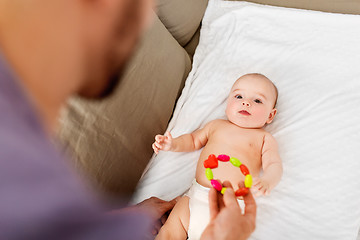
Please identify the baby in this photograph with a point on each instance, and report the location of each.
(250, 106)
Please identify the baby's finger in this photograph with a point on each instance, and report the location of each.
(267, 191)
(256, 182)
(159, 138)
(154, 146)
(256, 193)
(156, 150)
(158, 145)
(262, 191)
(168, 135)
(259, 186)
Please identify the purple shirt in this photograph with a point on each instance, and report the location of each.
(40, 196)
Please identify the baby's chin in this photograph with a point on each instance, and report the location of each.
(244, 124)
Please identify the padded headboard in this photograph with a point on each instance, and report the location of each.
(335, 6)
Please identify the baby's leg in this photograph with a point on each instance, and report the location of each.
(177, 224)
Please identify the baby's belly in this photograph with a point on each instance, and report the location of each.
(225, 170)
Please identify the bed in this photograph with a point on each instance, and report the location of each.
(313, 58)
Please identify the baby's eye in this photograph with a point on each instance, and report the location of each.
(257, 101)
(238, 96)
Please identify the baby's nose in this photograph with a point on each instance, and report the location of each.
(246, 103)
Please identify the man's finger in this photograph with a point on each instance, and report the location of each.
(164, 218)
(227, 184)
(250, 205)
(241, 184)
(213, 203)
(166, 206)
(157, 226)
(221, 204)
(229, 196)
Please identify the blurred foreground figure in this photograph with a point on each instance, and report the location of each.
(50, 50)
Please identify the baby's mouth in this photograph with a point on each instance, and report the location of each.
(244, 112)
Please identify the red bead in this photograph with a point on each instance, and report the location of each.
(244, 169)
(241, 192)
(211, 162)
(223, 158)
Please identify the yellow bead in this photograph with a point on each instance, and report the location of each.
(209, 174)
(223, 190)
(248, 181)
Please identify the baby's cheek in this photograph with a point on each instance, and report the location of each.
(260, 114)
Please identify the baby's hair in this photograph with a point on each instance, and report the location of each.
(262, 75)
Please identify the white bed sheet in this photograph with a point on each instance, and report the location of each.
(314, 59)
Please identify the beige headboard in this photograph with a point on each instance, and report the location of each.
(335, 6)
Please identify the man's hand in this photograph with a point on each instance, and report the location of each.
(162, 142)
(226, 220)
(158, 209)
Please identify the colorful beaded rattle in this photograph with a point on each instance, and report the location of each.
(212, 162)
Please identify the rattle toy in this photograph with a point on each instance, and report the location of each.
(212, 162)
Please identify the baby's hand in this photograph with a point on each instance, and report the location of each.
(162, 142)
(261, 187)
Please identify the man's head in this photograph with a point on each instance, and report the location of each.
(251, 102)
(113, 29)
(59, 48)
(88, 40)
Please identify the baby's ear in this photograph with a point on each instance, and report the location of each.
(271, 115)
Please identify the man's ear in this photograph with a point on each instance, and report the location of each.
(271, 115)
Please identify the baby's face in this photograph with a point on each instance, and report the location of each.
(251, 102)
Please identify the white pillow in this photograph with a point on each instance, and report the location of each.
(314, 60)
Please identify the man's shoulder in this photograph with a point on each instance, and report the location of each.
(24, 146)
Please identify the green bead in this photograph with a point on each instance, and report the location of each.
(209, 174)
(223, 190)
(236, 162)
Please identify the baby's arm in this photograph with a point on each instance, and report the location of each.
(184, 143)
(272, 166)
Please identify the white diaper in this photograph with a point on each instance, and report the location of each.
(199, 209)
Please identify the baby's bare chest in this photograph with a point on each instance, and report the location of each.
(237, 140)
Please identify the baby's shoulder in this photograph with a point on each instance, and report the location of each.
(217, 122)
(269, 138)
(216, 125)
(262, 134)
